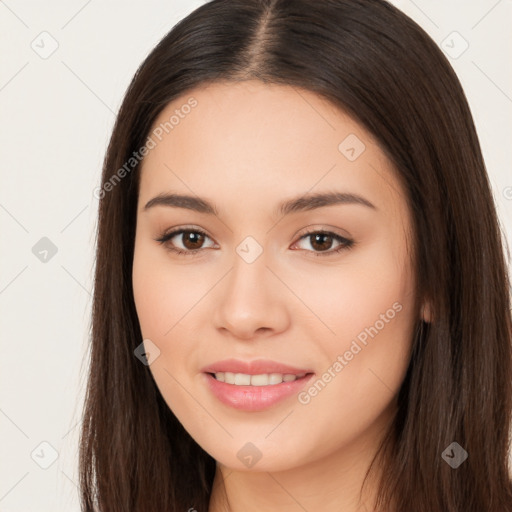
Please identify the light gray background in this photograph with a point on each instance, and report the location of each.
(57, 113)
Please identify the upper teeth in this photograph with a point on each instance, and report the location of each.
(266, 379)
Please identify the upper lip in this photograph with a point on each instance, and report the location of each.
(257, 367)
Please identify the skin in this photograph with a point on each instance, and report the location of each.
(246, 147)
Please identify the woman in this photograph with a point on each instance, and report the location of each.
(301, 298)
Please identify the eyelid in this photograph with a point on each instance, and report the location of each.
(321, 228)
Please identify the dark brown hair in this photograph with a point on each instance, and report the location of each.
(376, 64)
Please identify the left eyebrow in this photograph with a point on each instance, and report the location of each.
(301, 203)
(318, 200)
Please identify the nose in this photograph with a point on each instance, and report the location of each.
(251, 301)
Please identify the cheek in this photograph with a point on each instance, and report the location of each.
(164, 293)
(365, 364)
(350, 296)
(368, 305)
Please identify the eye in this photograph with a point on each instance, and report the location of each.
(188, 241)
(323, 241)
(191, 241)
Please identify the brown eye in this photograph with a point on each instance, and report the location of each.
(321, 241)
(185, 241)
(324, 243)
(192, 239)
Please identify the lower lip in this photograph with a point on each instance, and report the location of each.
(254, 398)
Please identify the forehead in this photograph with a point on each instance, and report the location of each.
(262, 141)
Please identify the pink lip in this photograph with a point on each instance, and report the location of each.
(252, 367)
(253, 398)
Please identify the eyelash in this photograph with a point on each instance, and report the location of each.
(345, 243)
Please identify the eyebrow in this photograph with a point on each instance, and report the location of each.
(297, 204)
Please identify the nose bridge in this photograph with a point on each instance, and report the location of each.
(249, 274)
(247, 301)
(248, 279)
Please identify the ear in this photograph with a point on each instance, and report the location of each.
(426, 312)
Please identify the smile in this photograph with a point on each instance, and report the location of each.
(253, 393)
(264, 379)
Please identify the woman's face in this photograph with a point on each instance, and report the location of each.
(294, 232)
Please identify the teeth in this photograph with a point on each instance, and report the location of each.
(241, 379)
(266, 379)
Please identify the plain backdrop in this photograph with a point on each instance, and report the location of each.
(65, 67)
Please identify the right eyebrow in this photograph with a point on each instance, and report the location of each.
(182, 201)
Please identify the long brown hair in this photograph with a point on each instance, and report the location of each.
(375, 63)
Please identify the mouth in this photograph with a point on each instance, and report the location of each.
(250, 392)
(262, 379)
(254, 385)
(256, 368)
